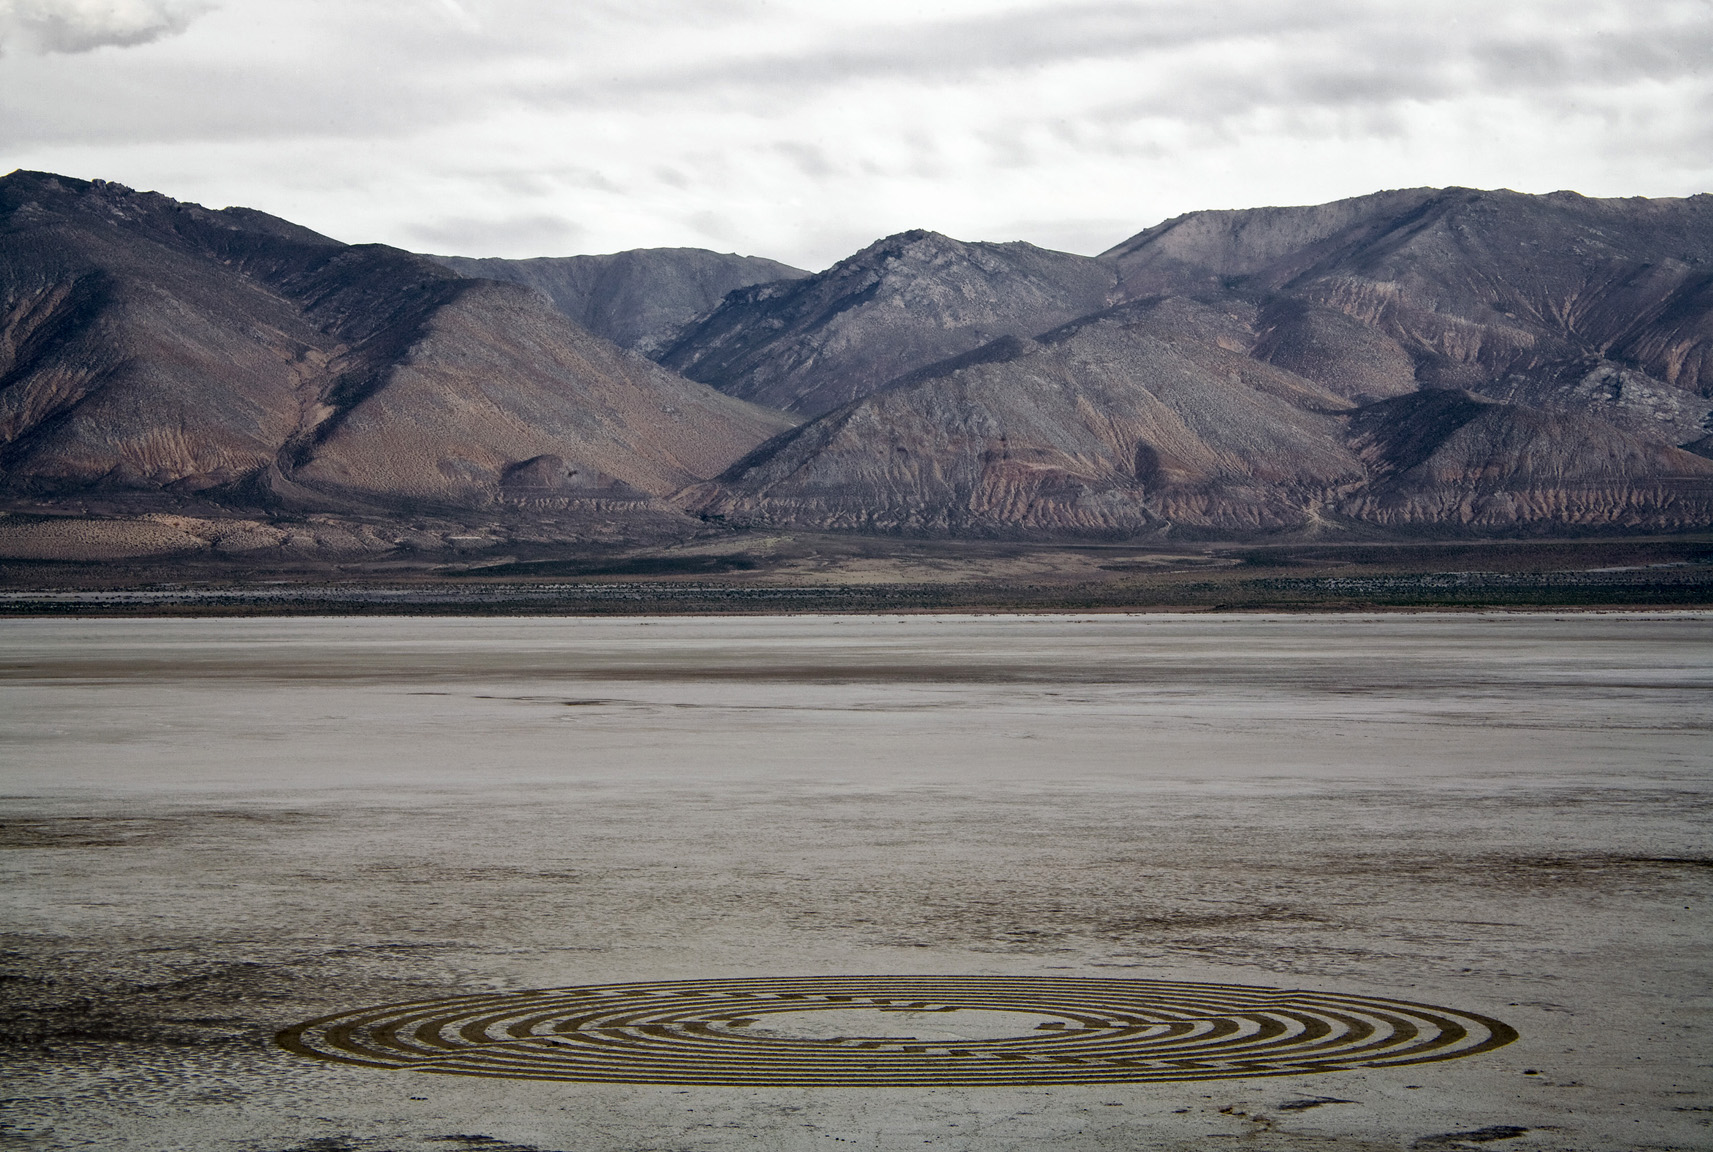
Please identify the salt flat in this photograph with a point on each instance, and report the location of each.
(219, 828)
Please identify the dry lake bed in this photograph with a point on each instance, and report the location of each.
(219, 829)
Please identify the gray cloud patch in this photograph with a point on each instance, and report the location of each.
(950, 50)
(69, 26)
(803, 129)
(1658, 53)
(1223, 60)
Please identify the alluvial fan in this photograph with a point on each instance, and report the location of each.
(897, 1030)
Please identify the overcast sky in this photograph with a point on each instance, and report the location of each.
(803, 129)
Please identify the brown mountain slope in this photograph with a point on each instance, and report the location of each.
(638, 299)
(810, 345)
(493, 382)
(1114, 426)
(148, 345)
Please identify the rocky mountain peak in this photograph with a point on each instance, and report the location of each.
(90, 201)
(905, 301)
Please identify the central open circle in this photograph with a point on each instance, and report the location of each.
(944, 1025)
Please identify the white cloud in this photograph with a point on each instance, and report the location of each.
(801, 129)
(68, 26)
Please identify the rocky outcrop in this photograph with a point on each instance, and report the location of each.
(149, 345)
(639, 299)
(1617, 394)
(1454, 459)
(810, 345)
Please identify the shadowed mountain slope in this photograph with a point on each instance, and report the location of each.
(810, 345)
(638, 299)
(149, 345)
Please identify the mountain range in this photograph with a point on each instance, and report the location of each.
(154, 348)
(1423, 361)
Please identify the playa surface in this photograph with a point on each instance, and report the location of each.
(220, 828)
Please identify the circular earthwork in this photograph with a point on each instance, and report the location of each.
(897, 1031)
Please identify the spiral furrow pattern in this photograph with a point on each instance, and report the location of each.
(897, 1030)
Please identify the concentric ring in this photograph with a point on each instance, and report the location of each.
(897, 1031)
